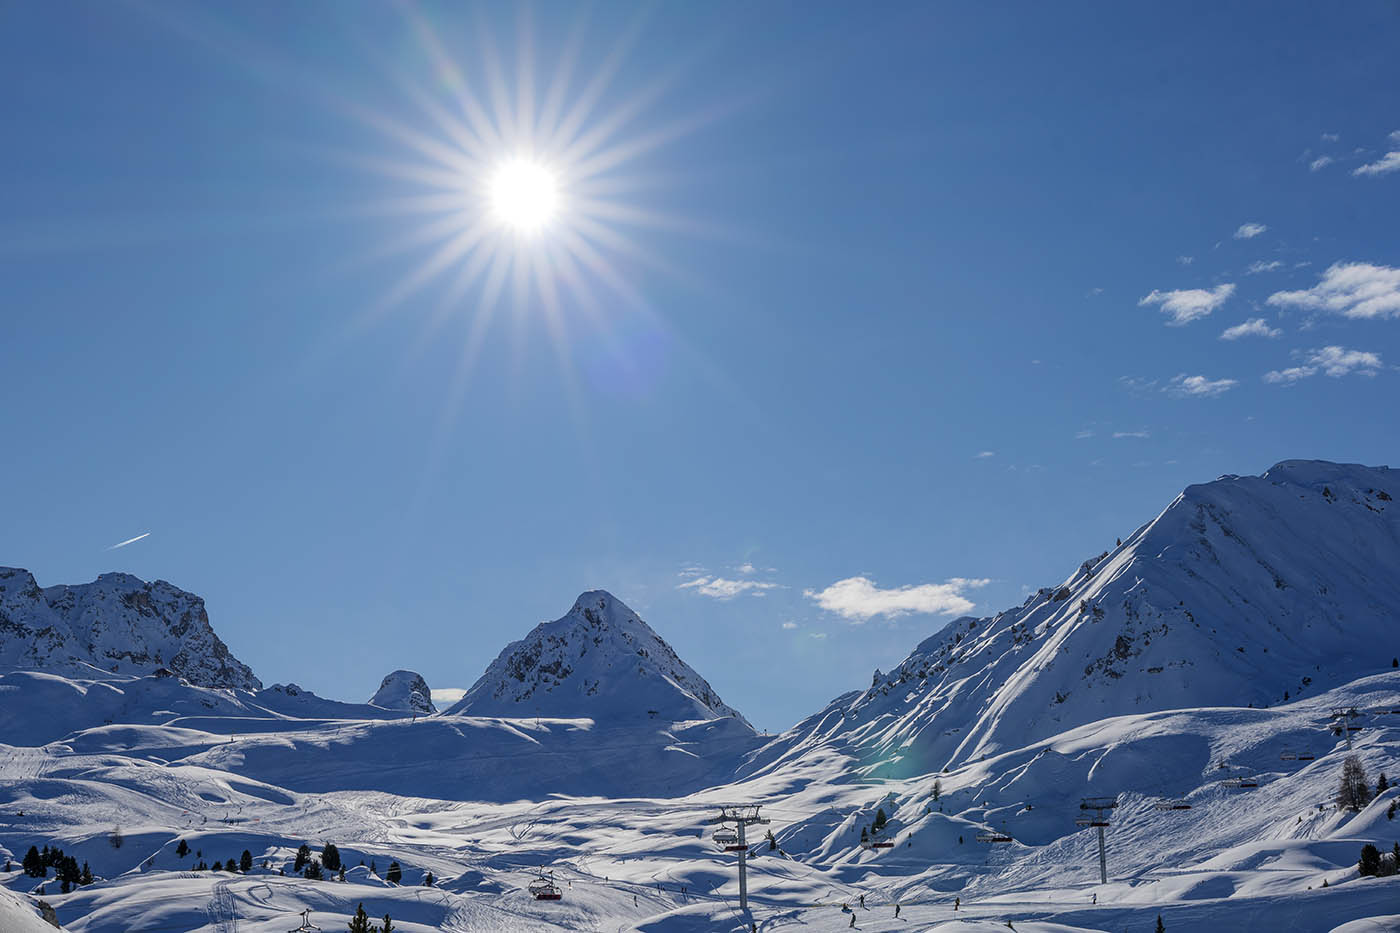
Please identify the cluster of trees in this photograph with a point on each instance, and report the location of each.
(360, 923)
(1374, 864)
(36, 864)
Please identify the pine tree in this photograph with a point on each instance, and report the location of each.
(63, 886)
(395, 874)
(373, 868)
(937, 789)
(1369, 865)
(303, 856)
(341, 876)
(428, 880)
(116, 839)
(880, 819)
(183, 849)
(1353, 792)
(34, 864)
(388, 926)
(86, 877)
(245, 862)
(1161, 927)
(313, 871)
(1382, 785)
(330, 857)
(360, 922)
(864, 835)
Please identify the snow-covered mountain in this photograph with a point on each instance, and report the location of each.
(404, 690)
(1243, 591)
(599, 660)
(117, 624)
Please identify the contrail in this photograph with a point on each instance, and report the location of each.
(129, 541)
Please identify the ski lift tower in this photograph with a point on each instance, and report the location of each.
(1101, 809)
(306, 925)
(742, 815)
(1343, 721)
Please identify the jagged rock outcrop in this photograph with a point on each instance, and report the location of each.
(118, 624)
(404, 690)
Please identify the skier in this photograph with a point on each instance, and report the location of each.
(1096, 898)
(862, 900)
(896, 911)
(852, 924)
(957, 902)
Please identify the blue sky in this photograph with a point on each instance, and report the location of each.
(853, 322)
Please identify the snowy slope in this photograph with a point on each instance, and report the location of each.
(601, 661)
(1243, 590)
(404, 690)
(19, 915)
(117, 624)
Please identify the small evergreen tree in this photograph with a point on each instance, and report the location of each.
(360, 922)
(864, 835)
(395, 874)
(245, 862)
(1370, 862)
(313, 871)
(880, 820)
(388, 926)
(1161, 927)
(183, 849)
(1382, 785)
(428, 880)
(303, 856)
(34, 863)
(937, 789)
(63, 886)
(1353, 793)
(86, 878)
(116, 839)
(330, 857)
(373, 868)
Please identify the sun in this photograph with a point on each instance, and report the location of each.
(524, 195)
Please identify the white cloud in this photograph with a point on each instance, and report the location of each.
(1330, 137)
(859, 599)
(446, 696)
(1320, 163)
(1351, 289)
(1084, 435)
(1186, 260)
(1184, 386)
(1185, 305)
(1136, 434)
(720, 588)
(1390, 162)
(1250, 230)
(1096, 291)
(1254, 327)
(984, 454)
(1334, 361)
(745, 568)
(789, 625)
(1260, 265)
(819, 636)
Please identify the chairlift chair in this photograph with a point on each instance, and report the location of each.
(544, 889)
(1169, 805)
(994, 837)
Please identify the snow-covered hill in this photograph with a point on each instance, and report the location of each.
(600, 661)
(117, 624)
(1244, 591)
(404, 690)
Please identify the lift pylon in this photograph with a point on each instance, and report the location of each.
(1096, 812)
(742, 815)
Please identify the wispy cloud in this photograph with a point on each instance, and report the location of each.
(984, 454)
(1390, 162)
(1119, 435)
(859, 599)
(720, 588)
(129, 541)
(1083, 435)
(1259, 265)
(1250, 230)
(746, 568)
(1334, 361)
(444, 696)
(1254, 327)
(1351, 289)
(1184, 386)
(1186, 260)
(1187, 304)
(1330, 137)
(789, 626)
(1320, 163)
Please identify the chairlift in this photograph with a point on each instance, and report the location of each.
(544, 889)
(1242, 783)
(882, 844)
(1169, 805)
(1297, 756)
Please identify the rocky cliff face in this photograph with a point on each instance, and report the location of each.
(601, 661)
(1248, 590)
(118, 624)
